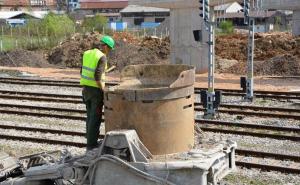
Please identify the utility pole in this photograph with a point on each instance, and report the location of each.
(248, 83)
(210, 99)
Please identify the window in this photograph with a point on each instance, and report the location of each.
(37, 2)
(138, 21)
(159, 19)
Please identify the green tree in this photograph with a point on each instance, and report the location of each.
(57, 25)
(96, 23)
(226, 27)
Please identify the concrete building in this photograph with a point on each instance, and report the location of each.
(135, 15)
(184, 19)
(108, 8)
(103, 6)
(293, 5)
(26, 5)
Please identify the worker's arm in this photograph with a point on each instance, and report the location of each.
(99, 71)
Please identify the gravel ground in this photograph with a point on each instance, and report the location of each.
(21, 148)
(50, 123)
(254, 120)
(79, 106)
(260, 144)
(42, 89)
(244, 176)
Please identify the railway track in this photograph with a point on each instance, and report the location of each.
(293, 167)
(226, 92)
(280, 133)
(214, 126)
(259, 111)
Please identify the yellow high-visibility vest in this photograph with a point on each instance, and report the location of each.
(89, 65)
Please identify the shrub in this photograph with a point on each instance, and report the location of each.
(57, 25)
(226, 27)
(96, 23)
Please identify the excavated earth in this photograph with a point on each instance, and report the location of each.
(130, 50)
(275, 53)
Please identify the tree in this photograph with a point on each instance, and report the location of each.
(96, 23)
(226, 27)
(57, 25)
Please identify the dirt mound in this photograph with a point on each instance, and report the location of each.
(280, 65)
(274, 53)
(23, 58)
(129, 50)
(161, 47)
(69, 52)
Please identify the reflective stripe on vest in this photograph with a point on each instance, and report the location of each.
(89, 65)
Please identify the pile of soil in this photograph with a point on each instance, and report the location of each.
(161, 47)
(23, 58)
(274, 53)
(69, 52)
(129, 50)
(281, 65)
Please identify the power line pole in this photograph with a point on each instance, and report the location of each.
(208, 98)
(248, 83)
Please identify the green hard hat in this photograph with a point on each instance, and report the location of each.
(108, 41)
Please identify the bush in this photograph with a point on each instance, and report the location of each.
(57, 25)
(226, 27)
(96, 23)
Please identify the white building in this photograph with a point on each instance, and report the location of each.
(228, 8)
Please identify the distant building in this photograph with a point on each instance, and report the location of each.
(15, 18)
(73, 4)
(26, 5)
(136, 15)
(108, 8)
(228, 8)
(265, 21)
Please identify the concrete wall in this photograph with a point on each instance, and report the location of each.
(296, 22)
(184, 49)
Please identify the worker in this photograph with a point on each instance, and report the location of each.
(93, 70)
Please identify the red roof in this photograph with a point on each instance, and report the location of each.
(25, 2)
(96, 4)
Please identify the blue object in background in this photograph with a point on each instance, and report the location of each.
(149, 24)
(16, 22)
(117, 26)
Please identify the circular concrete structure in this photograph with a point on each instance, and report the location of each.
(157, 101)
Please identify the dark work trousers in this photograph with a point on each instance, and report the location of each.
(93, 99)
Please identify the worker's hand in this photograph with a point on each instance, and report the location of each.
(101, 85)
(110, 69)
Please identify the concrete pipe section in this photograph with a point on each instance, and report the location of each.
(156, 101)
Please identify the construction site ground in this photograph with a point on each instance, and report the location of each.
(277, 68)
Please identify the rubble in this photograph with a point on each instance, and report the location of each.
(275, 53)
(130, 50)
